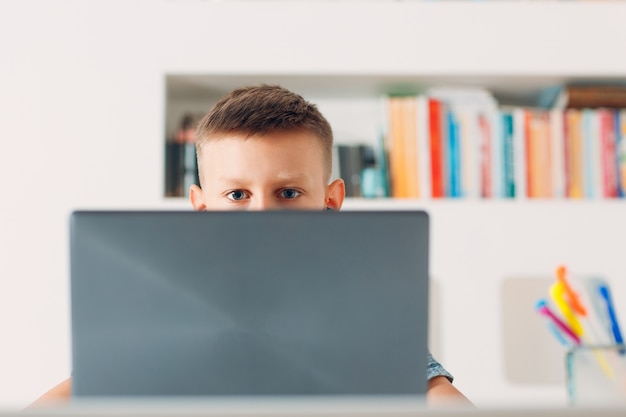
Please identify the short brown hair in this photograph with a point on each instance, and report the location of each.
(262, 110)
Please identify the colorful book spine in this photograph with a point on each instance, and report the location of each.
(620, 151)
(567, 162)
(557, 153)
(470, 152)
(528, 163)
(402, 140)
(423, 147)
(497, 154)
(410, 138)
(454, 155)
(445, 149)
(436, 151)
(395, 144)
(545, 156)
(574, 153)
(606, 120)
(485, 157)
(508, 155)
(519, 149)
(590, 154)
(596, 168)
(535, 154)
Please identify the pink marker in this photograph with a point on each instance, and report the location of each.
(542, 308)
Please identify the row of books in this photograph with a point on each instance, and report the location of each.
(181, 169)
(448, 144)
(462, 143)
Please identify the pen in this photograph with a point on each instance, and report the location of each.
(556, 291)
(557, 323)
(606, 295)
(597, 303)
(572, 296)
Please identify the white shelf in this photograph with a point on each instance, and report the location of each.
(182, 203)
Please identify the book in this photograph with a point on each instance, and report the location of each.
(351, 165)
(395, 147)
(620, 139)
(423, 147)
(173, 170)
(593, 96)
(574, 158)
(538, 154)
(402, 146)
(528, 155)
(508, 154)
(181, 166)
(469, 134)
(453, 164)
(519, 149)
(558, 153)
(383, 166)
(486, 165)
(411, 139)
(497, 152)
(436, 148)
(590, 142)
(607, 154)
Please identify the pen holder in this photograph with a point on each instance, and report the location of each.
(596, 375)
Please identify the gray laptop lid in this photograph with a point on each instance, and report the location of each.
(249, 303)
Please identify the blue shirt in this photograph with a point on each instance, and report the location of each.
(435, 369)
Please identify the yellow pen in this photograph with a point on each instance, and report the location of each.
(556, 292)
(572, 296)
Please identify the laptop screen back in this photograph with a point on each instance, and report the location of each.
(249, 303)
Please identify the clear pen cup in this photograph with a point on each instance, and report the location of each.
(596, 375)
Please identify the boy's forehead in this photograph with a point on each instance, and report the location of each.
(282, 155)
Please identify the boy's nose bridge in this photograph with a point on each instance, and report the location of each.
(262, 203)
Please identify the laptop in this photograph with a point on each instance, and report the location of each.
(275, 303)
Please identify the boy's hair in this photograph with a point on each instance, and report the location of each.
(265, 109)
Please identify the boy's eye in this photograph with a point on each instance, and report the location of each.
(289, 193)
(237, 195)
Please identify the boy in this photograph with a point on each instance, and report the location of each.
(266, 148)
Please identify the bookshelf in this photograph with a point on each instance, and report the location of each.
(344, 55)
(354, 106)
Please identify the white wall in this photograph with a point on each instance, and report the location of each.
(82, 121)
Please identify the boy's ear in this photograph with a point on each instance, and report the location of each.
(197, 198)
(335, 193)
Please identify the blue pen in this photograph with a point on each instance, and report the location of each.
(606, 295)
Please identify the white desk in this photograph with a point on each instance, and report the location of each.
(293, 407)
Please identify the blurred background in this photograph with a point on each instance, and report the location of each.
(94, 93)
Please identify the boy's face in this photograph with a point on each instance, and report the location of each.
(271, 172)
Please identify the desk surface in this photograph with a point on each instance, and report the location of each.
(242, 407)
